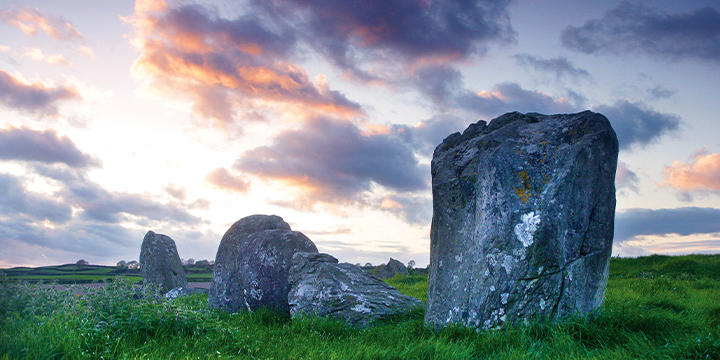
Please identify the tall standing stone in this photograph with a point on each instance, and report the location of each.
(252, 264)
(523, 219)
(160, 263)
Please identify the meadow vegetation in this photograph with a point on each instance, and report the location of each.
(656, 307)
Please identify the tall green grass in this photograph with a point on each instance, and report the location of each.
(655, 308)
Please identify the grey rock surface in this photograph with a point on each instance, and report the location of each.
(183, 291)
(392, 268)
(321, 286)
(252, 263)
(160, 263)
(523, 218)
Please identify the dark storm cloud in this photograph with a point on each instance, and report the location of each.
(684, 221)
(636, 125)
(25, 144)
(559, 66)
(34, 98)
(334, 162)
(637, 28)
(415, 30)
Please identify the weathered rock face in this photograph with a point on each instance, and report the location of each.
(523, 219)
(392, 268)
(320, 286)
(252, 263)
(160, 263)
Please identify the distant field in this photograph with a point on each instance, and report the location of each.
(83, 274)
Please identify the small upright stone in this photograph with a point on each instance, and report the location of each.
(252, 263)
(392, 268)
(523, 217)
(160, 263)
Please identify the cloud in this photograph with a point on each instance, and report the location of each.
(509, 96)
(659, 92)
(440, 84)
(25, 144)
(178, 192)
(428, 134)
(444, 86)
(80, 218)
(415, 210)
(223, 179)
(224, 63)
(54, 59)
(34, 98)
(701, 176)
(632, 223)
(334, 162)
(18, 201)
(560, 66)
(637, 28)
(30, 20)
(626, 179)
(84, 51)
(637, 125)
(414, 32)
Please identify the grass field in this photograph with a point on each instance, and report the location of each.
(656, 307)
(82, 274)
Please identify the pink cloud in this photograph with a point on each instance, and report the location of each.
(225, 66)
(35, 98)
(223, 179)
(30, 20)
(700, 175)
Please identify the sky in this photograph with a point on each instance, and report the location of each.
(182, 117)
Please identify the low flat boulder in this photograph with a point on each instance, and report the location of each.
(321, 286)
(252, 264)
(160, 263)
(183, 291)
(392, 268)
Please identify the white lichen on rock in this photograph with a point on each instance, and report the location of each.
(527, 228)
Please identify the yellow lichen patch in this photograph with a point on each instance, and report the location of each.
(525, 191)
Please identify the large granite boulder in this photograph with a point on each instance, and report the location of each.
(160, 263)
(523, 219)
(252, 263)
(392, 268)
(319, 286)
